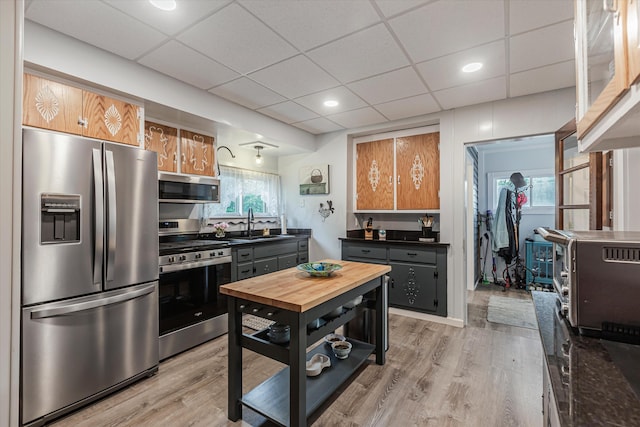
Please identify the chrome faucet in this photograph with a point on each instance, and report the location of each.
(250, 220)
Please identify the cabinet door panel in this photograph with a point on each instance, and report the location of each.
(633, 40)
(287, 261)
(197, 152)
(413, 286)
(265, 266)
(164, 141)
(418, 171)
(374, 175)
(51, 105)
(110, 119)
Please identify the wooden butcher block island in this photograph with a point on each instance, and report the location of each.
(293, 297)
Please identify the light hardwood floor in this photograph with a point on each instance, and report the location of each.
(485, 374)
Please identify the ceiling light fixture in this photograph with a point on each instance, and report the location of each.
(472, 67)
(258, 156)
(167, 5)
(331, 103)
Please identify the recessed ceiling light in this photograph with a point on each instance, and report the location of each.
(167, 5)
(331, 103)
(472, 67)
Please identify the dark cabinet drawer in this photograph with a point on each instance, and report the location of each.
(362, 251)
(303, 245)
(244, 271)
(269, 250)
(245, 255)
(423, 256)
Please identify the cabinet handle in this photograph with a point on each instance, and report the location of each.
(175, 158)
(366, 251)
(244, 254)
(398, 179)
(390, 180)
(393, 282)
(412, 254)
(244, 271)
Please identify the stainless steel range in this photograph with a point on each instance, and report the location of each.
(192, 269)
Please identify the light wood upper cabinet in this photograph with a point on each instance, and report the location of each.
(418, 172)
(164, 141)
(374, 170)
(398, 174)
(110, 119)
(198, 153)
(633, 40)
(51, 105)
(60, 107)
(601, 60)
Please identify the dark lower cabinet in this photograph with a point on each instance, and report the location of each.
(255, 259)
(418, 277)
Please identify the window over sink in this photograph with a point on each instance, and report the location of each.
(241, 189)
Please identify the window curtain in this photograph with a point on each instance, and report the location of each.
(242, 187)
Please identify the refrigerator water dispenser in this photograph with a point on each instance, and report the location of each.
(60, 218)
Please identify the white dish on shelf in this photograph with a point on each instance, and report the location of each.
(317, 363)
(353, 302)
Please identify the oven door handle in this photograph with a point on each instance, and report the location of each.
(189, 265)
(553, 236)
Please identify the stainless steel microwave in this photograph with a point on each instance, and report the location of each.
(597, 278)
(174, 188)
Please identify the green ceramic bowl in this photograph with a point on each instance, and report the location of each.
(321, 269)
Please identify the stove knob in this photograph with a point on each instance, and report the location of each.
(212, 254)
(564, 274)
(182, 258)
(564, 309)
(220, 253)
(198, 256)
(172, 259)
(564, 290)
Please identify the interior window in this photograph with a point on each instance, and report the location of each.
(241, 189)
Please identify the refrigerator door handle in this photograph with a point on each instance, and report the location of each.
(88, 305)
(111, 214)
(98, 251)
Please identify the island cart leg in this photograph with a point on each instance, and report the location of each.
(381, 320)
(298, 374)
(235, 361)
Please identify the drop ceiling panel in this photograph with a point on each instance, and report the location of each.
(248, 93)
(295, 77)
(446, 71)
(186, 14)
(528, 15)
(288, 112)
(347, 101)
(444, 27)
(479, 92)
(183, 63)
(237, 39)
(409, 107)
(96, 23)
(551, 77)
(308, 24)
(318, 126)
(363, 54)
(393, 7)
(389, 86)
(357, 118)
(541, 47)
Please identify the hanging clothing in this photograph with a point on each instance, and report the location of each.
(505, 242)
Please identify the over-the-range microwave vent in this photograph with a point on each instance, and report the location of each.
(612, 254)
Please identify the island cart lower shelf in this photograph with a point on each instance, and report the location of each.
(319, 389)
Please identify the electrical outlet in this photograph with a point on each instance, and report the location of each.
(302, 203)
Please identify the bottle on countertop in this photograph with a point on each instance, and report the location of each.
(368, 229)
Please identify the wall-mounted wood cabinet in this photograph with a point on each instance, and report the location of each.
(607, 40)
(164, 141)
(198, 153)
(400, 173)
(56, 106)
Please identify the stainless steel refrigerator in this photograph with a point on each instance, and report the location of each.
(89, 271)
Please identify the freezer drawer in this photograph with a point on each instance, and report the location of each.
(74, 349)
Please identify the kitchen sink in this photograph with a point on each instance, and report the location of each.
(260, 238)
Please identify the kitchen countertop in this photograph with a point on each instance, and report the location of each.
(392, 241)
(297, 291)
(589, 386)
